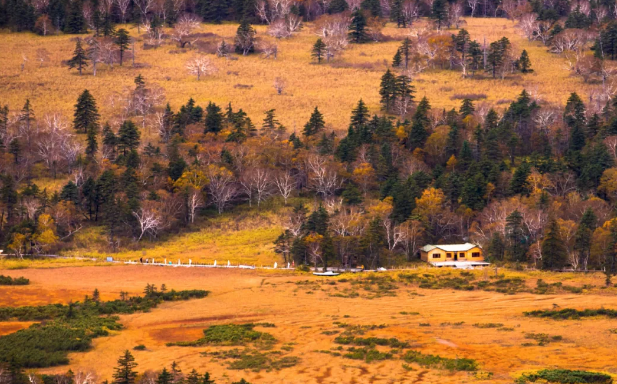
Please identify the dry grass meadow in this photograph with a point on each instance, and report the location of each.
(303, 312)
(248, 81)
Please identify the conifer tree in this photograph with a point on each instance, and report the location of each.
(122, 41)
(128, 137)
(497, 55)
(357, 28)
(164, 377)
(245, 38)
(439, 12)
(75, 22)
(387, 90)
(396, 60)
(523, 64)
(214, 118)
(496, 247)
(554, 253)
(338, 6)
(4, 125)
(80, 57)
(467, 108)
(319, 50)
(110, 141)
(359, 115)
(583, 236)
(86, 112)
(519, 183)
(125, 372)
(397, 15)
(92, 145)
(271, 126)
(474, 57)
(315, 124)
(516, 248)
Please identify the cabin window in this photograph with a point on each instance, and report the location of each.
(475, 254)
(462, 254)
(449, 255)
(436, 255)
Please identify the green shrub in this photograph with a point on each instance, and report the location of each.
(570, 313)
(566, 376)
(139, 347)
(229, 334)
(8, 280)
(435, 361)
(488, 325)
(366, 354)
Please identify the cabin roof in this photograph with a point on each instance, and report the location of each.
(450, 247)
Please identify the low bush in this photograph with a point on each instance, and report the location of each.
(229, 334)
(488, 325)
(139, 347)
(571, 314)
(436, 361)
(366, 354)
(8, 280)
(543, 338)
(371, 341)
(566, 376)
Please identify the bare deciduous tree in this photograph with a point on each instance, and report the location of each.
(149, 220)
(183, 29)
(42, 56)
(123, 6)
(285, 184)
(200, 66)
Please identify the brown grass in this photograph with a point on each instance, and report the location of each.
(300, 318)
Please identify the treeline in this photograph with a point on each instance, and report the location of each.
(124, 373)
(79, 16)
(70, 328)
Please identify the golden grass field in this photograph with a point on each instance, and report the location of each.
(237, 238)
(302, 312)
(334, 89)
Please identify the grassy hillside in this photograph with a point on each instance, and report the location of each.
(248, 81)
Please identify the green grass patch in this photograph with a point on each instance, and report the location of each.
(565, 376)
(436, 361)
(572, 314)
(371, 341)
(229, 334)
(367, 354)
(254, 360)
(8, 280)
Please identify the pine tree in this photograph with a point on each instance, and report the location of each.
(396, 60)
(318, 221)
(497, 55)
(122, 41)
(397, 15)
(128, 137)
(467, 108)
(92, 145)
(357, 28)
(110, 141)
(574, 117)
(214, 118)
(606, 45)
(417, 135)
(164, 377)
(523, 64)
(359, 115)
(439, 12)
(516, 248)
(338, 6)
(86, 112)
(271, 126)
(124, 373)
(319, 50)
(245, 38)
(554, 253)
(315, 124)
(583, 237)
(496, 248)
(75, 22)
(474, 57)
(519, 183)
(80, 57)
(387, 90)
